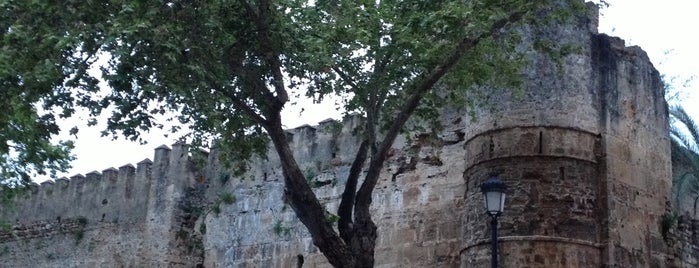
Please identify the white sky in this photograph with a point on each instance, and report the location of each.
(662, 28)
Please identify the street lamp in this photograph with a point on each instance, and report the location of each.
(494, 194)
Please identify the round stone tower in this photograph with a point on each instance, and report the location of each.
(585, 154)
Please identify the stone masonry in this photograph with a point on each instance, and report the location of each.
(584, 150)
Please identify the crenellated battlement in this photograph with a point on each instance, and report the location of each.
(148, 200)
(122, 194)
(107, 196)
(584, 151)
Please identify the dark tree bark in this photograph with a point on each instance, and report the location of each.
(355, 244)
(305, 204)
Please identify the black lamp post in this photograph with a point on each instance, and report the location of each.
(494, 194)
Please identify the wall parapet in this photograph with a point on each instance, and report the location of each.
(128, 185)
(584, 152)
(111, 194)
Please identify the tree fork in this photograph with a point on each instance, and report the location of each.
(346, 206)
(306, 206)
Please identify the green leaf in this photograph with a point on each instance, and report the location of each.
(226, 198)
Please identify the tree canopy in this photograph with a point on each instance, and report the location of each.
(225, 69)
(30, 70)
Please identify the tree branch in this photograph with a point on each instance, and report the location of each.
(306, 205)
(238, 103)
(344, 211)
(363, 200)
(346, 78)
(245, 108)
(269, 53)
(376, 100)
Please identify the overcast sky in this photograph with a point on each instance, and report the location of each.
(665, 31)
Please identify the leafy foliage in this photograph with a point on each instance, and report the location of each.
(224, 198)
(280, 229)
(225, 70)
(43, 65)
(79, 232)
(684, 134)
(5, 226)
(332, 218)
(667, 222)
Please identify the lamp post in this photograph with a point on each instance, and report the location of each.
(494, 194)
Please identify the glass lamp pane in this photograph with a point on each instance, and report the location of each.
(493, 202)
(502, 203)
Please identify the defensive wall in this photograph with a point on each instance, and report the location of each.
(585, 152)
(124, 217)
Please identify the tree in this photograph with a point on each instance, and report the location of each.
(28, 75)
(684, 134)
(226, 69)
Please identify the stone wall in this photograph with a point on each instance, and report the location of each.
(637, 163)
(584, 151)
(418, 206)
(118, 218)
(686, 242)
(418, 203)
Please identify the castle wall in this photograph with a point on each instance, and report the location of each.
(546, 146)
(552, 212)
(584, 151)
(117, 218)
(685, 242)
(417, 204)
(66, 221)
(637, 154)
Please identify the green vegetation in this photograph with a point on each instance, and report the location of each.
(332, 218)
(310, 175)
(82, 221)
(226, 69)
(5, 226)
(202, 227)
(224, 198)
(279, 228)
(684, 141)
(667, 222)
(79, 232)
(223, 178)
(182, 234)
(78, 235)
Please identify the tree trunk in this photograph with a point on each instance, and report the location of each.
(364, 243)
(306, 206)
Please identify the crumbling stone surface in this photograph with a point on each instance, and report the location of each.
(685, 242)
(584, 150)
(586, 154)
(118, 218)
